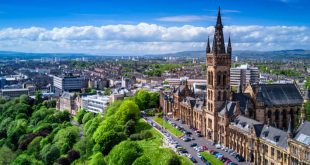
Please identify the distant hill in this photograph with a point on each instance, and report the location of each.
(245, 54)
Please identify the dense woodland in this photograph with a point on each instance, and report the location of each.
(32, 131)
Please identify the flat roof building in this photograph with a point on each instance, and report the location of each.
(95, 103)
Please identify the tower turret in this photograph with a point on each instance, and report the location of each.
(229, 48)
(218, 39)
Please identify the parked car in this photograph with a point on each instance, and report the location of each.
(199, 155)
(232, 163)
(227, 161)
(205, 148)
(188, 133)
(193, 144)
(218, 146)
(199, 135)
(239, 158)
(186, 139)
(193, 160)
(203, 159)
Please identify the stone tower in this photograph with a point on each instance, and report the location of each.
(218, 75)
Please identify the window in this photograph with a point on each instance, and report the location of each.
(279, 155)
(219, 74)
(272, 151)
(219, 96)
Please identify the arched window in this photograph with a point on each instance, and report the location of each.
(225, 96)
(269, 114)
(219, 75)
(276, 115)
(211, 78)
(219, 96)
(224, 78)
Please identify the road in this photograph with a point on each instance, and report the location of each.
(201, 141)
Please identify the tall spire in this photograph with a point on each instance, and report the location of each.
(219, 19)
(208, 49)
(218, 40)
(229, 48)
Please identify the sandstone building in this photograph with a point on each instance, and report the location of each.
(264, 123)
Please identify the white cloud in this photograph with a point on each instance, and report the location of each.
(186, 18)
(146, 38)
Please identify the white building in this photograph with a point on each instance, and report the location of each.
(244, 75)
(95, 103)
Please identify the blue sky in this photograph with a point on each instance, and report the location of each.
(37, 18)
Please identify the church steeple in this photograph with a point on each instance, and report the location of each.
(229, 48)
(219, 19)
(208, 49)
(218, 40)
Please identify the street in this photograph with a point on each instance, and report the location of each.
(201, 141)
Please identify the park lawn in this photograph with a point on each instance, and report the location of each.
(212, 159)
(169, 127)
(152, 147)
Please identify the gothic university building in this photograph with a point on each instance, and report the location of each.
(264, 123)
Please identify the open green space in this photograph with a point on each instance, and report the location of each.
(169, 127)
(212, 159)
(152, 147)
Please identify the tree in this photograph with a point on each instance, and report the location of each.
(65, 138)
(130, 127)
(125, 153)
(87, 117)
(127, 111)
(7, 155)
(307, 110)
(49, 154)
(84, 147)
(97, 159)
(73, 155)
(38, 97)
(34, 146)
(22, 159)
(107, 140)
(174, 160)
(143, 160)
(63, 161)
(107, 91)
(142, 98)
(80, 115)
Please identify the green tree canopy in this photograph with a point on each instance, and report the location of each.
(125, 153)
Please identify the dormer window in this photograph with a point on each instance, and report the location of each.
(266, 133)
(276, 138)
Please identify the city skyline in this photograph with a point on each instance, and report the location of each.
(137, 27)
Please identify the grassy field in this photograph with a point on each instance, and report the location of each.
(152, 147)
(169, 127)
(211, 158)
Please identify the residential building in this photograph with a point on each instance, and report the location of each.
(95, 103)
(244, 75)
(68, 101)
(9, 93)
(68, 83)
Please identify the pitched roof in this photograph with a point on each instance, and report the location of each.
(303, 133)
(246, 124)
(231, 108)
(243, 99)
(278, 94)
(275, 136)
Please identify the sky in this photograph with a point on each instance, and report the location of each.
(138, 27)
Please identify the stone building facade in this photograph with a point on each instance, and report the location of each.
(265, 123)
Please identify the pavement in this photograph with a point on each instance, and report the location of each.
(201, 141)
